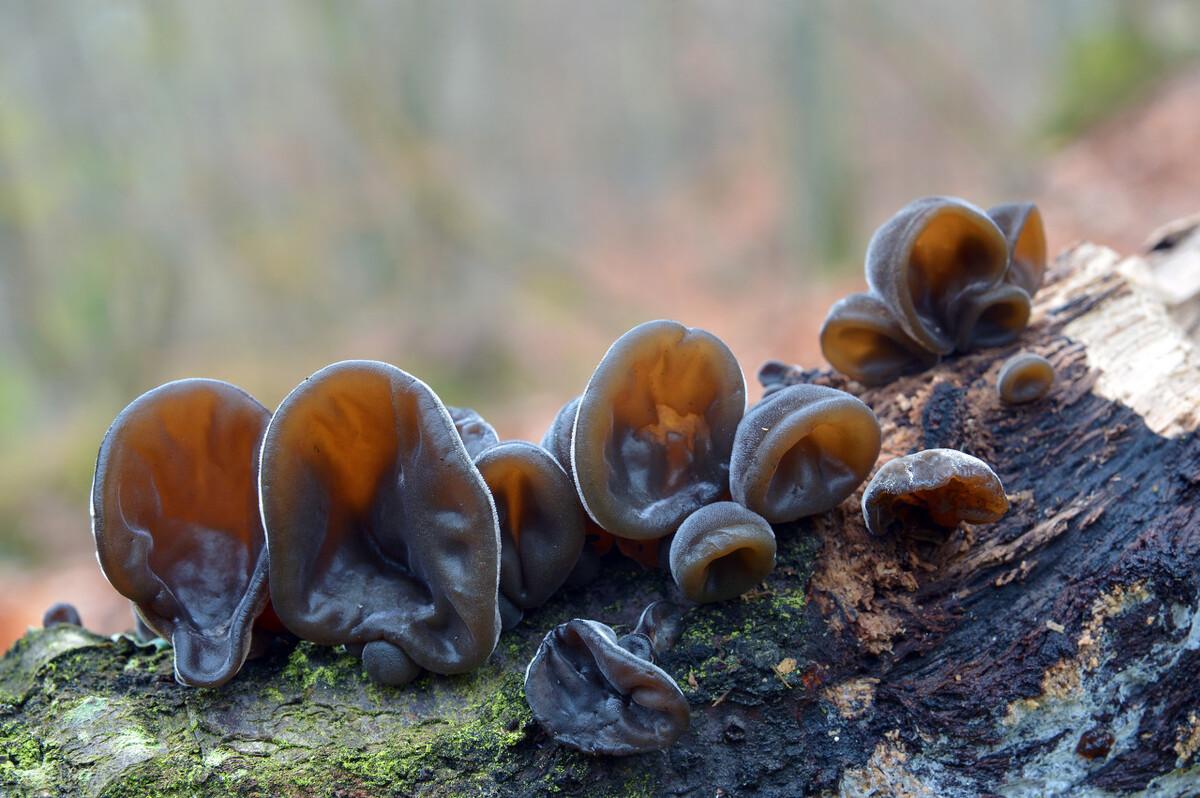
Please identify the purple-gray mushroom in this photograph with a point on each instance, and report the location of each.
(176, 523)
(383, 534)
(720, 552)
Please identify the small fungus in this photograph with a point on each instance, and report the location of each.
(992, 318)
(721, 551)
(557, 439)
(1021, 223)
(863, 340)
(929, 258)
(381, 530)
(541, 520)
(924, 494)
(655, 427)
(801, 451)
(1024, 377)
(594, 695)
(176, 522)
(61, 613)
(477, 435)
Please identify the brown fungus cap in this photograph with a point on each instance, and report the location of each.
(175, 517)
(594, 695)
(930, 490)
(801, 451)
(59, 614)
(1024, 377)
(1021, 223)
(557, 439)
(861, 339)
(721, 551)
(541, 520)
(927, 259)
(382, 532)
(477, 435)
(655, 427)
(995, 317)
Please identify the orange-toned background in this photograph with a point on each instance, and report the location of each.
(487, 195)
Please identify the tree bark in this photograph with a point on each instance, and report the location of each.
(1056, 652)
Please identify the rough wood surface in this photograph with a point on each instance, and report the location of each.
(988, 665)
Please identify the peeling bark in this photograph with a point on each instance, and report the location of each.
(1056, 652)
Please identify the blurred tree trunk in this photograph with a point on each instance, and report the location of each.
(1056, 652)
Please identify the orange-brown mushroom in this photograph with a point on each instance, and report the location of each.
(1024, 377)
(926, 260)
(383, 535)
(654, 429)
(924, 495)
(541, 520)
(176, 522)
(861, 339)
(992, 318)
(801, 451)
(721, 551)
(1021, 223)
(61, 614)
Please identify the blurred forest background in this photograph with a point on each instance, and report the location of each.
(488, 194)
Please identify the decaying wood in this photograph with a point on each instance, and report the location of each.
(1054, 653)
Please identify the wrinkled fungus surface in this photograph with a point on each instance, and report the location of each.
(541, 520)
(477, 435)
(929, 258)
(932, 490)
(381, 530)
(176, 522)
(1021, 223)
(594, 695)
(655, 427)
(801, 451)
(1024, 377)
(721, 551)
(861, 339)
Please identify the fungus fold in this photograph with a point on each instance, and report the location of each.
(1021, 223)
(176, 523)
(927, 493)
(477, 435)
(654, 429)
(721, 551)
(592, 694)
(926, 260)
(541, 520)
(801, 451)
(861, 339)
(1024, 377)
(383, 534)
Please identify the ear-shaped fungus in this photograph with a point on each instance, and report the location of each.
(1021, 223)
(594, 695)
(929, 257)
(721, 551)
(382, 532)
(861, 339)
(655, 427)
(541, 520)
(933, 490)
(61, 613)
(477, 435)
(801, 451)
(557, 439)
(992, 318)
(175, 517)
(1024, 377)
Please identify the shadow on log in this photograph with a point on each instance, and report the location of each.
(1054, 653)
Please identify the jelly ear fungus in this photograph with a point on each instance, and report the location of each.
(176, 522)
(861, 339)
(655, 427)
(801, 451)
(721, 551)
(382, 532)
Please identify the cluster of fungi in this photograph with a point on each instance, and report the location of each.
(364, 513)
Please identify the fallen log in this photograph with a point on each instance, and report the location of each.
(1056, 652)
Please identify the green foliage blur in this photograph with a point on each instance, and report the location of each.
(484, 194)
